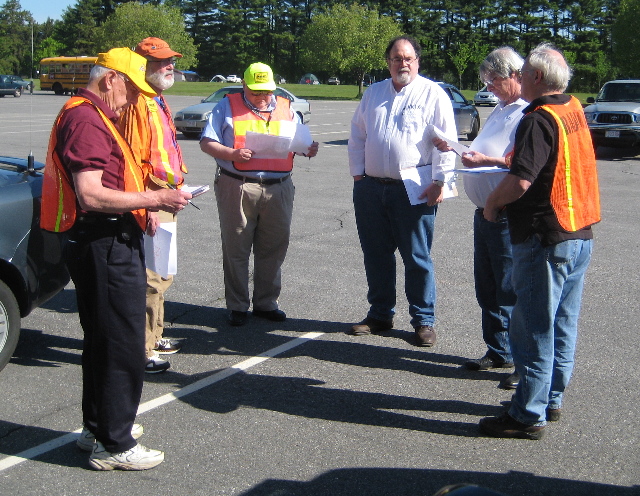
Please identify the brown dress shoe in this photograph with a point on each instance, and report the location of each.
(554, 414)
(371, 326)
(507, 426)
(425, 336)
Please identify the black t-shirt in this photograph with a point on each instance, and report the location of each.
(534, 160)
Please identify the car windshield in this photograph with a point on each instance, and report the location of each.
(620, 92)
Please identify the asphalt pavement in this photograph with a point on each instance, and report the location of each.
(302, 408)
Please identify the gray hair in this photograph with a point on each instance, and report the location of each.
(554, 67)
(97, 71)
(502, 62)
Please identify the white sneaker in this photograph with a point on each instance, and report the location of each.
(137, 458)
(155, 364)
(87, 440)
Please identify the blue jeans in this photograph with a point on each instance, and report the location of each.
(386, 221)
(492, 267)
(548, 282)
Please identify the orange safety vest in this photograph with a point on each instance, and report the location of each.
(245, 120)
(574, 195)
(59, 209)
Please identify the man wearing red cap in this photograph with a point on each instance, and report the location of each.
(148, 127)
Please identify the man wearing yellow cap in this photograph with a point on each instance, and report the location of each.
(93, 191)
(148, 127)
(254, 195)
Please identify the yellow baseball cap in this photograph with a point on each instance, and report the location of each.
(259, 77)
(130, 64)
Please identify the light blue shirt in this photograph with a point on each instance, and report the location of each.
(220, 128)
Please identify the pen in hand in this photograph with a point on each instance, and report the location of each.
(190, 202)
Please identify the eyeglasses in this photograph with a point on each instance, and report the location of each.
(123, 77)
(491, 82)
(261, 93)
(400, 60)
(170, 61)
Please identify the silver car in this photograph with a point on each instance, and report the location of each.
(190, 121)
(31, 265)
(485, 97)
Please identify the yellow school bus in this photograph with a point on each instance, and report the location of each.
(65, 74)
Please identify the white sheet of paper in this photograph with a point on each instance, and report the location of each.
(416, 180)
(161, 250)
(195, 190)
(459, 148)
(294, 138)
(481, 170)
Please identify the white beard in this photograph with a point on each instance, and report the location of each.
(161, 81)
(403, 78)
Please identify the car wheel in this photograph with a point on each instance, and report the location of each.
(17, 92)
(191, 135)
(57, 89)
(475, 128)
(9, 324)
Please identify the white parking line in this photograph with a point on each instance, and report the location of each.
(70, 437)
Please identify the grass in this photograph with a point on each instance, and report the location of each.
(307, 91)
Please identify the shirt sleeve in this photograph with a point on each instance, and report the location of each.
(535, 141)
(217, 122)
(357, 139)
(443, 163)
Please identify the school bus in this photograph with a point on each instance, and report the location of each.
(65, 74)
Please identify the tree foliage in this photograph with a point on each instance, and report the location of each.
(132, 22)
(626, 38)
(347, 40)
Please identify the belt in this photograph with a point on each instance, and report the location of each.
(386, 180)
(258, 180)
(97, 219)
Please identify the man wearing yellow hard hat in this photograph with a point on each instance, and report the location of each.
(93, 191)
(254, 195)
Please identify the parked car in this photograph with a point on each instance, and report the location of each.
(31, 266)
(485, 97)
(12, 85)
(465, 113)
(333, 80)
(232, 78)
(614, 115)
(309, 79)
(190, 121)
(218, 78)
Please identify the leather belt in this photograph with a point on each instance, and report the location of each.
(386, 180)
(272, 180)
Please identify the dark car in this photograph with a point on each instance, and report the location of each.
(31, 266)
(12, 85)
(190, 121)
(465, 113)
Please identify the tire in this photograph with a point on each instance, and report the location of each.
(189, 135)
(475, 129)
(57, 89)
(9, 324)
(17, 92)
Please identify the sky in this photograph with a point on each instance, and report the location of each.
(41, 9)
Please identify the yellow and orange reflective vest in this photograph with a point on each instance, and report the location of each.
(245, 120)
(59, 205)
(148, 128)
(574, 195)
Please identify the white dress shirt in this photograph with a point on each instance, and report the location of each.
(496, 139)
(391, 130)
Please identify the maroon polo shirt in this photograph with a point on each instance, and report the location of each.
(86, 144)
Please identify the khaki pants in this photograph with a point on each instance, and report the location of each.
(258, 217)
(156, 287)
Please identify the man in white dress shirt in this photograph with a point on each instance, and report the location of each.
(392, 130)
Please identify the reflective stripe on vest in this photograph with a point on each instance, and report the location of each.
(245, 120)
(165, 155)
(574, 195)
(58, 211)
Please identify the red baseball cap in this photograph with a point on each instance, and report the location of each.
(155, 48)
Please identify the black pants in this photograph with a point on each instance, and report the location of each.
(106, 262)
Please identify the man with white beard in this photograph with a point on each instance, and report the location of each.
(391, 130)
(148, 127)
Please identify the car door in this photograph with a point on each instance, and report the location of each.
(462, 110)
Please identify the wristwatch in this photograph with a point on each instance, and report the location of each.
(438, 183)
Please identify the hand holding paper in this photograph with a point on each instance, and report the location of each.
(459, 148)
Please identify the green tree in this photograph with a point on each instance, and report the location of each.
(132, 22)
(15, 39)
(467, 55)
(347, 40)
(626, 38)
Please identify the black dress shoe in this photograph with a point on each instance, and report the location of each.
(273, 315)
(511, 382)
(486, 363)
(507, 426)
(237, 318)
